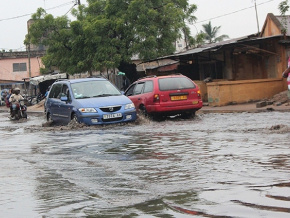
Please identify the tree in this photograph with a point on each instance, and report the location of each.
(198, 40)
(211, 33)
(283, 8)
(107, 33)
(190, 18)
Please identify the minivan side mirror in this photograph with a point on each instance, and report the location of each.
(64, 98)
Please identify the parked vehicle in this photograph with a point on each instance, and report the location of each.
(91, 101)
(165, 96)
(18, 111)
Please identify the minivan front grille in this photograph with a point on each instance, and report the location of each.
(110, 108)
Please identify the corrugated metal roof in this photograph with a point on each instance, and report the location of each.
(208, 47)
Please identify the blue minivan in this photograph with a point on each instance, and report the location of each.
(90, 101)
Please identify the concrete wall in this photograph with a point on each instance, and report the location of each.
(6, 68)
(227, 92)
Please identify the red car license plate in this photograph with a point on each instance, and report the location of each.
(178, 97)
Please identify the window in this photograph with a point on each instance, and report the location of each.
(55, 91)
(138, 89)
(175, 83)
(18, 67)
(64, 92)
(130, 90)
(148, 86)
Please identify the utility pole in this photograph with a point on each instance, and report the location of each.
(29, 61)
(257, 17)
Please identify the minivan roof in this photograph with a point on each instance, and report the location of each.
(83, 80)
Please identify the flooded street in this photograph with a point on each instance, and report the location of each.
(215, 165)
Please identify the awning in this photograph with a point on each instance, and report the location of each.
(36, 80)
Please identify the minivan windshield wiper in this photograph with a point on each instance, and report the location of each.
(81, 97)
(103, 95)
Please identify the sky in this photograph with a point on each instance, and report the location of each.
(237, 18)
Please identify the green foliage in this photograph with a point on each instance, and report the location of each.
(198, 40)
(283, 8)
(211, 33)
(107, 33)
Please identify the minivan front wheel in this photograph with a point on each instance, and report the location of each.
(74, 118)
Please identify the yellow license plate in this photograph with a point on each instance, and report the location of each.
(178, 98)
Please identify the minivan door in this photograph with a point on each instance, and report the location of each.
(53, 102)
(65, 106)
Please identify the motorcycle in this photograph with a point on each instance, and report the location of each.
(18, 111)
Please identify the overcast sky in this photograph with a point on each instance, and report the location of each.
(237, 18)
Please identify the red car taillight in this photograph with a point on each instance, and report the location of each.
(198, 93)
(156, 98)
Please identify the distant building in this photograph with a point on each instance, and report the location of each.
(17, 67)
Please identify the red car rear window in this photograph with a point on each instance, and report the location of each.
(173, 83)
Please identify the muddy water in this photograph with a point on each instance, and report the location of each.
(230, 165)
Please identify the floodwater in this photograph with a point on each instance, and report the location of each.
(215, 165)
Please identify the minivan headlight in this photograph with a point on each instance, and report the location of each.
(129, 106)
(87, 110)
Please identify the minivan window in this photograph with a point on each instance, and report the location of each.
(55, 91)
(64, 92)
(138, 89)
(174, 83)
(96, 88)
(148, 86)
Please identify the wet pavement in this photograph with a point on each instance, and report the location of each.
(215, 165)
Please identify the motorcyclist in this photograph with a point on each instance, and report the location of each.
(14, 99)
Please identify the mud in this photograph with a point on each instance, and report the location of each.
(215, 165)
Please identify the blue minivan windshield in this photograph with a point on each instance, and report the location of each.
(96, 88)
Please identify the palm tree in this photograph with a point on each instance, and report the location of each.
(211, 33)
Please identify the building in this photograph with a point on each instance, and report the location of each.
(239, 70)
(15, 66)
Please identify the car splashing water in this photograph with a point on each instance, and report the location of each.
(229, 165)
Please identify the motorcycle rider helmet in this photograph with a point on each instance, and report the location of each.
(17, 91)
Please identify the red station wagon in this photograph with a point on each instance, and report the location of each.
(165, 96)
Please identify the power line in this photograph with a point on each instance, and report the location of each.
(59, 6)
(71, 8)
(233, 12)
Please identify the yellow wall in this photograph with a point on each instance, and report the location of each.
(203, 89)
(227, 92)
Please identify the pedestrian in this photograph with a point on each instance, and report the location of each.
(11, 91)
(46, 92)
(4, 94)
(286, 74)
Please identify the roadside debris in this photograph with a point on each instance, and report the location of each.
(280, 128)
(277, 100)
